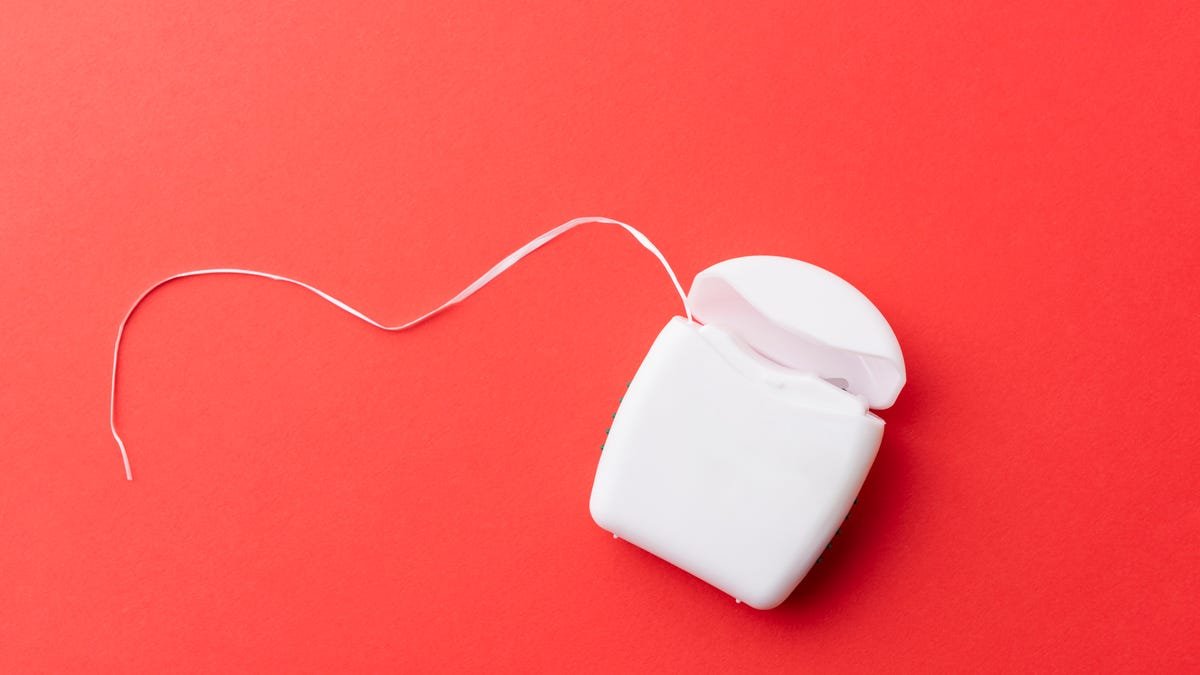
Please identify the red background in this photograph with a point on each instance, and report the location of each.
(1013, 184)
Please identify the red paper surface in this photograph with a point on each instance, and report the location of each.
(1013, 184)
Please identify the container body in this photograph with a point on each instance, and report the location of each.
(735, 478)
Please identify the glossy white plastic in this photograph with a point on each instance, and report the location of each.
(741, 443)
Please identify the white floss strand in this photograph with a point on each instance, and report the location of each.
(479, 283)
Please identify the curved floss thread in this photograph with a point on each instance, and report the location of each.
(482, 281)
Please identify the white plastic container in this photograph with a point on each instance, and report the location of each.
(742, 442)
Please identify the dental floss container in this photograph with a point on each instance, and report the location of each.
(743, 440)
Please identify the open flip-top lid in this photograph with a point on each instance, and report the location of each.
(805, 318)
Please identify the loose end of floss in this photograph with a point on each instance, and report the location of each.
(495, 271)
